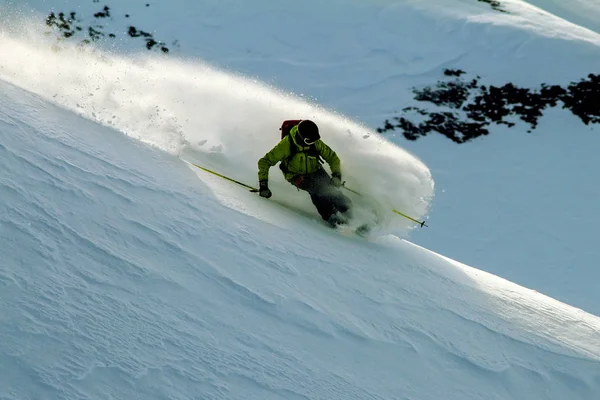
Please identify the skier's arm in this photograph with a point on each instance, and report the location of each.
(277, 153)
(330, 156)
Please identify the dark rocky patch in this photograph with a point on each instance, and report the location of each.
(496, 5)
(65, 24)
(454, 72)
(105, 13)
(70, 25)
(470, 108)
(150, 42)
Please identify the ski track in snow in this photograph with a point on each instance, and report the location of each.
(124, 277)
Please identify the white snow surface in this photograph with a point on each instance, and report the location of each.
(521, 206)
(582, 13)
(126, 273)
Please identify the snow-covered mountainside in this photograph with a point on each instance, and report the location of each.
(126, 273)
(518, 205)
(123, 276)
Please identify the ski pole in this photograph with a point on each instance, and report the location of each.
(252, 189)
(422, 223)
(350, 190)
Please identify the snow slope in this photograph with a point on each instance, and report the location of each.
(127, 274)
(583, 13)
(519, 206)
(123, 276)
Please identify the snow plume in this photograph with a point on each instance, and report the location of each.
(218, 119)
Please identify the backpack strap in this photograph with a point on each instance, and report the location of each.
(294, 149)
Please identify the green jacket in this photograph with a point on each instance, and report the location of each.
(301, 163)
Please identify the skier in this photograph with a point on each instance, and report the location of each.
(300, 151)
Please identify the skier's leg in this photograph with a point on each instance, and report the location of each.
(329, 200)
(323, 204)
(315, 185)
(339, 201)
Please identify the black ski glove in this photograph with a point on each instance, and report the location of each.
(336, 180)
(264, 189)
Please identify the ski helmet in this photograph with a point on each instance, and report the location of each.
(308, 132)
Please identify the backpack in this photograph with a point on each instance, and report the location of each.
(285, 129)
(287, 126)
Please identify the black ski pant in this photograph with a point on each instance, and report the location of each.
(327, 198)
